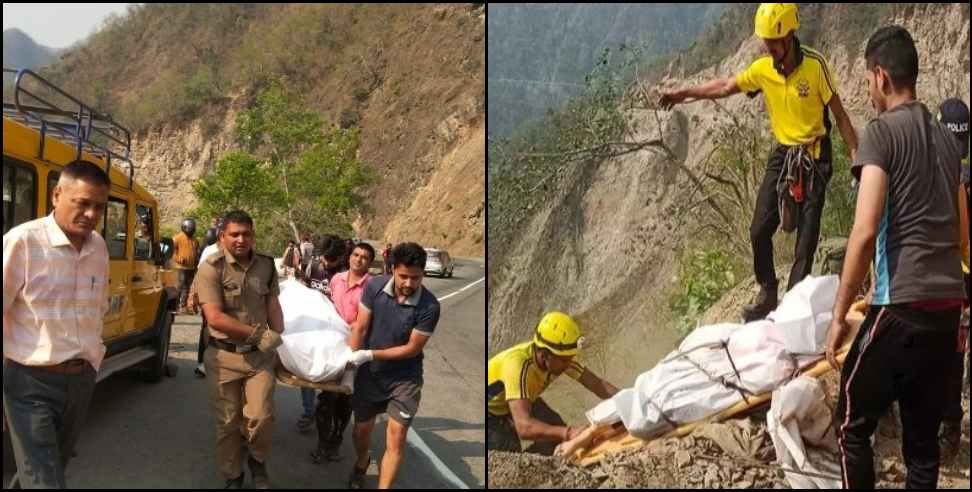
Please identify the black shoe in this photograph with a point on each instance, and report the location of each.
(766, 302)
(235, 483)
(259, 472)
(357, 478)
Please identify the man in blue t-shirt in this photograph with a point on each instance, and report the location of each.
(396, 317)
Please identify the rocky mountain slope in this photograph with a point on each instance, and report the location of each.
(606, 241)
(539, 53)
(411, 77)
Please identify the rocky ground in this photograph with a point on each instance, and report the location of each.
(699, 462)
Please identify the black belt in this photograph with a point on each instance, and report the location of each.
(232, 347)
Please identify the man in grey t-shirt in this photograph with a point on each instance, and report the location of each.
(907, 217)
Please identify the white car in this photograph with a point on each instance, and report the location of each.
(438, 263)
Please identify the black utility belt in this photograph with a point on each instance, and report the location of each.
(232, 347)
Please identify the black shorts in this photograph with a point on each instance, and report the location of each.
(398, 397)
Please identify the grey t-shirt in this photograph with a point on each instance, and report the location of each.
(917, 251)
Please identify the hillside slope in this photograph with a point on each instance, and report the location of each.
(412, 77)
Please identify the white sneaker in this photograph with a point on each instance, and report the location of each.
(200, 371)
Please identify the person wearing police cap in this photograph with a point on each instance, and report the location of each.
(185, 258)
(238, 290)
(954, 114)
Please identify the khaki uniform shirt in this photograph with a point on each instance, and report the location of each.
(243, 292)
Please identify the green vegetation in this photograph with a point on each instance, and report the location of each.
(296, 175)
(360, 94)
(128, 69)
(524, 169)
(838, 214)
(706, 275)
(169, 231)
(538, 54)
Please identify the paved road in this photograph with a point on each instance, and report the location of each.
(140, 435)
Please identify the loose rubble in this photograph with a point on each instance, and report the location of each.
(699, 462)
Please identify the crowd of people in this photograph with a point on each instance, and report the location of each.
(391, 317)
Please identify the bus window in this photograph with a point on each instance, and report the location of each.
(19, 194)
(116, 228)
(143, 233)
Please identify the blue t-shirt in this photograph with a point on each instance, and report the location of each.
(392, 324)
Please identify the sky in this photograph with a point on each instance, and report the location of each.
(57, 25)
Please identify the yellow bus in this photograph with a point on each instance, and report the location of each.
(44, 129)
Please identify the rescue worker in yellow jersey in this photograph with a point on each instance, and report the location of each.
(800, 91)
(518, 376)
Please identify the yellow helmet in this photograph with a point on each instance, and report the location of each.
(558, 333)
(776, 20)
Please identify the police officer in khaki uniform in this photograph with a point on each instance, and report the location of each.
(238, 291)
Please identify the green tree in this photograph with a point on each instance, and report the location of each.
(241, 182)
(295, 175)
(326, 184)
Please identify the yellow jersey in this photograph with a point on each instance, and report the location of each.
(514, 375)
(797, 104)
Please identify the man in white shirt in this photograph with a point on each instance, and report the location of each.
(55, 295)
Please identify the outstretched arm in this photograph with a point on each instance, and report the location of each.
(714, 89)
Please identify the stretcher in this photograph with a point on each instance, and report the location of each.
(596, 442)
(344, 386)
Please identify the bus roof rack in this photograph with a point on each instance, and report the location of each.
(71, 120)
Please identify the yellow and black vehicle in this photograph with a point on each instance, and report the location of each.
(44, 129)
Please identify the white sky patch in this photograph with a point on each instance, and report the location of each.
(58, 25)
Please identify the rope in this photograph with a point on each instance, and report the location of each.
(718, 380)
(797, 163)
(661, 413)
(742, 391)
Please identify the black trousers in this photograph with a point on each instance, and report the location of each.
(501, 432)
(203, 339)
(900, 355)
(332, 414)
(766, 217)
(185, 282)
(956, 376)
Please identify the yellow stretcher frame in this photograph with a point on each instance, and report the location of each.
(287, 378)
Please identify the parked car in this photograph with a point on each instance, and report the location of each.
(438, 263)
